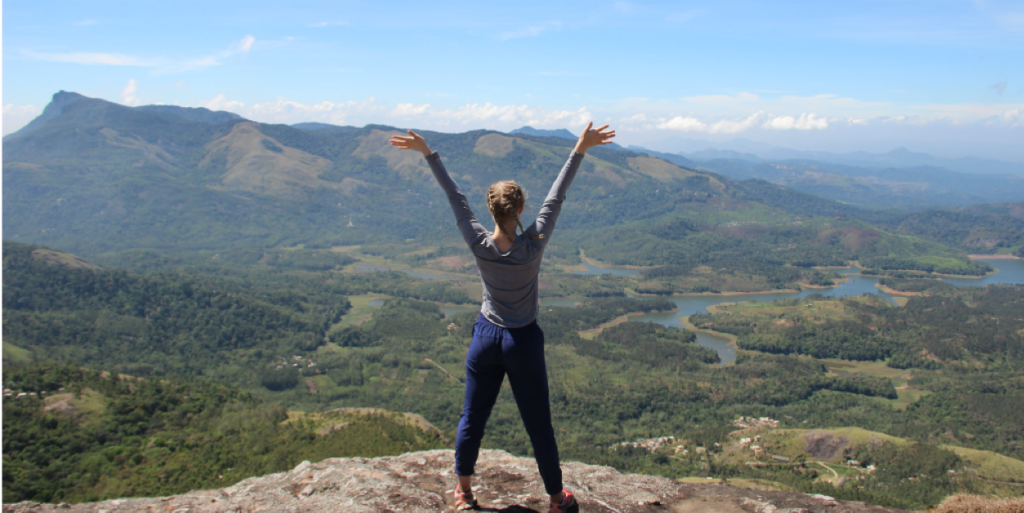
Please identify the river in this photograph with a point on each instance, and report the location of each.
(1010, 271)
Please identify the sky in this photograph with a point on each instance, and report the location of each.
(941, 77)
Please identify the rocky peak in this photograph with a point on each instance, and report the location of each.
(423, 481)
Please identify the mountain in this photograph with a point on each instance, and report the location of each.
(421, 482)
(908, 188)
(94, 177)
(540, 132)
(897, 158)
(200, 114)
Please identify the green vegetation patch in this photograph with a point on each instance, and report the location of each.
(980, 325)
(108, 436)
(16, 355)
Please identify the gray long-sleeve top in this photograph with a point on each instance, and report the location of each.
(510, 279)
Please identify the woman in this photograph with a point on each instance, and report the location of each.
(506, 338)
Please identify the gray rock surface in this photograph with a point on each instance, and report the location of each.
(422, 481)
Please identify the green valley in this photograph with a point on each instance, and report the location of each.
(203, 298)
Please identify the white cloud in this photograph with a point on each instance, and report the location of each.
(804, 122)
(17, 116)
(723, 126)
(128, 94)
(684, 124)
(967, 111)
(467, 117)
(287, 111)
(408, 109)
(532, 31)
(1012, 117)
(107, 59)
(506, 117)
(241, 47)
(245, 44)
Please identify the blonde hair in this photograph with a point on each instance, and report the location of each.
(504, 200)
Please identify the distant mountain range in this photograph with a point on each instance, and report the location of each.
(900, 178)
(91, 176)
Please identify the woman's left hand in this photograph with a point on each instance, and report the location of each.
(594, 137)
(411, 142)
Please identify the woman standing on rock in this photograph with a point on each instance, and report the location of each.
(506, 338)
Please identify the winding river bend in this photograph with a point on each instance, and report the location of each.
(1010, 271)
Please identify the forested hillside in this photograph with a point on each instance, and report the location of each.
(93, 177)
(74, 435)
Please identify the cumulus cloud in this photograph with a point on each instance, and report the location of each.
(128, 94)
(1012, 117)
(509, 116)
(17, 116)
(466, 117)
(804, 122)
(408, 109)
(722, 126)
(287, 111)
(684, 124)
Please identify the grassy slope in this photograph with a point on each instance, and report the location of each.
(793, 443)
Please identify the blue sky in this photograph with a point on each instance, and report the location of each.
(942, 77)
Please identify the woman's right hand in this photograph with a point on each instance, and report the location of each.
(594, 137)
(411, 142)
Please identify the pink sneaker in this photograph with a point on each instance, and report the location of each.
(464, 501)
(568, 504)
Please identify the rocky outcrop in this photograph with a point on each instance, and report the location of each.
(422, 481)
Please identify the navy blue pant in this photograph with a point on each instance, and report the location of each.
(518, 352)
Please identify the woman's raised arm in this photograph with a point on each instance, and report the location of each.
(542, 227)
(413, 141)
(472, 231)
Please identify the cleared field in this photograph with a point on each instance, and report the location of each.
(826, 447)
(15, 354)
(990, 465)
(360, 312)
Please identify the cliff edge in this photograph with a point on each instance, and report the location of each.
(422, 481)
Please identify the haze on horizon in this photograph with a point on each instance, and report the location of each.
(944, 77)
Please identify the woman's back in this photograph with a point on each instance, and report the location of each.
(510, 279)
